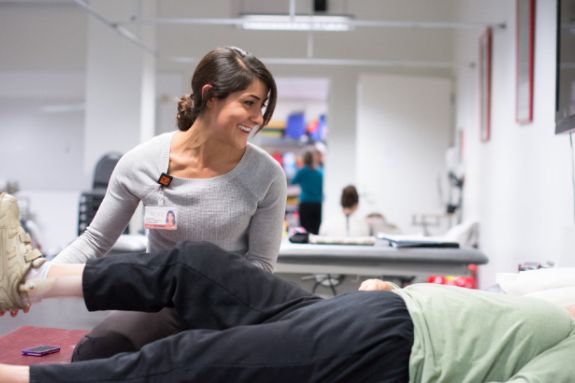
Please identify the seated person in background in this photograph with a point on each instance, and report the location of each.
(347, 224)
(248, 325)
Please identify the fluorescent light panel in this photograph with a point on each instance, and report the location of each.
(297, 22)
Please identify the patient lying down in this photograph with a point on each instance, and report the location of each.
(268, 330)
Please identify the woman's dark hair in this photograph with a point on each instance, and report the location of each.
(227, 70)
(349, 197)
(171, 213)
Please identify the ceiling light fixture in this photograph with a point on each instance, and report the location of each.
(333, 62)
(337, 23)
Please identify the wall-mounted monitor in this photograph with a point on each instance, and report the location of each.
(565, 98)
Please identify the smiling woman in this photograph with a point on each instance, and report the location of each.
(222, 73)
(216, 186)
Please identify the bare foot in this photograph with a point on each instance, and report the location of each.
(36, 289)
(33, 292)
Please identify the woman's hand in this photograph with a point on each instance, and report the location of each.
(375, 285)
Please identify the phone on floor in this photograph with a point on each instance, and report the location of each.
(40, 350)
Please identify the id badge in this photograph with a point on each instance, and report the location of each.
(160, 217)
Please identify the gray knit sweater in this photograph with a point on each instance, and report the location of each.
(241, 211)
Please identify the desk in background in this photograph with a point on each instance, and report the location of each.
(376, 260)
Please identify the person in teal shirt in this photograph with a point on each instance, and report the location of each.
(310, 180)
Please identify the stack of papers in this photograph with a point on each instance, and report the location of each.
(333, 240)
(416, 241)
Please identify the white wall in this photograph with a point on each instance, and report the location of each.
(518, 183)
(42, 149)
(169, 87)
(403, 130)
(340, 160)
(120, 83)
(55, 214)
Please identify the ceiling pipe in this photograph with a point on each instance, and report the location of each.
(310, 60)
(122, 31)
(337, 62)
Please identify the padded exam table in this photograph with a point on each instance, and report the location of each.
(379, 259)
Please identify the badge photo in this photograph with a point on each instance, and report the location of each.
(160, 217)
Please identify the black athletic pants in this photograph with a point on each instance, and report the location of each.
(250, 326)
(310, 216)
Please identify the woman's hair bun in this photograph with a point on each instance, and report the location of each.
(184, 116)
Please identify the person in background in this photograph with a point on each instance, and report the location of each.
(347, 224)
(220, 188)
(310, 180)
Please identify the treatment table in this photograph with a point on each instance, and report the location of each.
(366, 260)
(377, 260)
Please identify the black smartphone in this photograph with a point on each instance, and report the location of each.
(40, 350)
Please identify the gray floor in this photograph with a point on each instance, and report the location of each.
(72, 313)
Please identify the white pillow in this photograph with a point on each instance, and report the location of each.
(531, 281)
(563, 296)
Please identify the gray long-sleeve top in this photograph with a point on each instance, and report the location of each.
(241, 211)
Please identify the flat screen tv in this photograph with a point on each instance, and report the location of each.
(565, 98)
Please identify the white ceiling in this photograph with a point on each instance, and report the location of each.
(51, 35)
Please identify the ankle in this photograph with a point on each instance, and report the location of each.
(38, 272)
